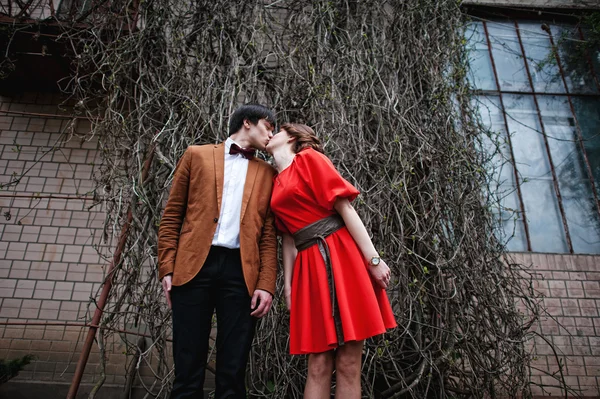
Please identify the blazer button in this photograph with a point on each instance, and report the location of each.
(215, 220)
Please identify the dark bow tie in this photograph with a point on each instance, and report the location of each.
(247, 153)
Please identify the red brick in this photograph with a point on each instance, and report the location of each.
(44, 375)
(561, 340)
(33, 333)
(16, 353)
(552, 302)
(558, 292)
(592, 294)
(44, 366)
(543, 349)
(575, 293)
(586, 331)
(564, 349)
(63, 356)
(560, 276)
(582, 350)
(61, 346)
(593, 276)
(40, 345)
(588, 381)
(24, 376)
(53, 335)
(593, 370)
(13, 332)
(575, 370)
(580, 262)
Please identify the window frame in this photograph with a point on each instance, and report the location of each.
(499, 92)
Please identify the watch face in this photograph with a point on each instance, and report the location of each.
(375, 261)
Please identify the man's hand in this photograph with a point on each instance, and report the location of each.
(166, 285)
(380, 273)
(264, 300)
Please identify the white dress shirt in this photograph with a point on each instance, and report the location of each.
(228, 227)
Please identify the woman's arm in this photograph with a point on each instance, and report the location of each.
(289, 258)
(381, 272)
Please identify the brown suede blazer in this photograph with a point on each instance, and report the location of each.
(190, 219)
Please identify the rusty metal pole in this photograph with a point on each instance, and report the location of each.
(87, 346)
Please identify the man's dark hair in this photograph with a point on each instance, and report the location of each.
(251, 112)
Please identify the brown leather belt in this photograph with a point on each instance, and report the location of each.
(315, 233)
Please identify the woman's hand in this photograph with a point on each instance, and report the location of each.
(380, 273)
(288, 297)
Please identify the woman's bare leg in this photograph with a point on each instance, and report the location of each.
(347, 370)
(318, 380)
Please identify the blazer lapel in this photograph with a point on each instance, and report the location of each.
(219, 158)
(249, 185)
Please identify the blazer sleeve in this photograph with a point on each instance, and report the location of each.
(173, 216)
(268, 255)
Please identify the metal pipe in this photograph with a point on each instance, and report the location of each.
(85, 352)
(512, 154)
(543, 129)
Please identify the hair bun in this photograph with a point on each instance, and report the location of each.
(304, 135)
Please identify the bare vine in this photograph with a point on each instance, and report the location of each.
(383, 83)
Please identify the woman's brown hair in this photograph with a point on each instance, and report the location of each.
(304, 135)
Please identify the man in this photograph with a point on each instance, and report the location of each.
(217, 250)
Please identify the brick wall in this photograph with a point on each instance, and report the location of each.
(49, 232)
(571, 288)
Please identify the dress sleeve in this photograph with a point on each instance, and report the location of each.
(324, 180)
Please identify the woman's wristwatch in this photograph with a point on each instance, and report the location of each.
(375, 261)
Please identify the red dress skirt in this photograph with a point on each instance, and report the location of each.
(303, 193)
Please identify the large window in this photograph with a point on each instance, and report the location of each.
(537, 86)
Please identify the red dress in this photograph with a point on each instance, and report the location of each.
(303, 193)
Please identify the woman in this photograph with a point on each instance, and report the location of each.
(325, 244)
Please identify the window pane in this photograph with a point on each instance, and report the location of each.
(588, 116)
(508, 210)
(507, 57)
(575, 188)
(594, 53)
(546, 230)
(545, 74)
(575, 59)
(528, 143)
(481, 75)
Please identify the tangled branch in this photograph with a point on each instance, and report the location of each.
(383, 83)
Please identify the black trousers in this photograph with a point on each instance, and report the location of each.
(218, 286)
